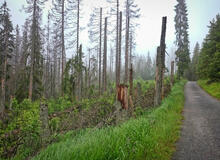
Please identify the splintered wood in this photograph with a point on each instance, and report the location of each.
(122, 95)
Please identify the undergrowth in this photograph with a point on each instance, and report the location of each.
(150, 136)
(212, 88)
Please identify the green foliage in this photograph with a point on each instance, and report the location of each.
(150, 136)
(182, 37)
(54, 124)
(209, 59)
(212, 88)
(22, 134)
(59, 104)
(144, 84)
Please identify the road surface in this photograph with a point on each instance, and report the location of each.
(200, 134)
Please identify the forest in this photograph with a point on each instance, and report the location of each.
(105, 101)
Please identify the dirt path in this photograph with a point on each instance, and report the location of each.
(200, 135)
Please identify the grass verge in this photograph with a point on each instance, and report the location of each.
(151, 136)
(213, 88)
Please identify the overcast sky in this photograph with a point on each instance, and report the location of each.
(200, 12)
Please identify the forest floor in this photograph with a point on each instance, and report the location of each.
(151, 135)
(201, 126)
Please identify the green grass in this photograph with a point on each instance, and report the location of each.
(213, 89)
(151, 136)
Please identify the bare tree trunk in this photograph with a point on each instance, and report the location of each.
(127, 46)
(117, 58)
(77, 36)
(163, 85)
(172, 74)
(80, 74)
(59, 80)
(51, 81)
(63, 49)
(3, 80)
(55, 78)
(100, 51)
(44, 122)
(111, 60)
(89, 78)
(160, 65)
(105, 58)
(119, 48)
(130, 54)
(46, 87)
(131, 80)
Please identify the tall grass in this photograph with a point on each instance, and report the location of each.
(151, 136)
(213, 88)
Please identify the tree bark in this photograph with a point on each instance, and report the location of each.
(127, 44)
(131, 80)
(117, 31)
(105, 58)
(160, 64)
(172, 74)
(3, 80)
(45, 132)
(100, 51)
(63, 49)
(119, 49)
(80, 74)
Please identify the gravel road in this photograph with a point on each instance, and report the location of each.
(200, 135)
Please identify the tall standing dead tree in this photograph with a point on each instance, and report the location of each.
(119, 49)
(105, 58)
(160, 64)
(100, 50)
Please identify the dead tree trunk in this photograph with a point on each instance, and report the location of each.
(63, 49)
(117, 37)
(122, 95)
(172, 74)
(160, 65)
(80, 73)
(59, 79)
(131, 81)
(100, 51)
(3, 80)
(89, 78)
(45, 132)
(119, 49)
(111, 61)
(105, 58)
(127, 47)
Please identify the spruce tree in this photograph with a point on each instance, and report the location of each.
(209, 59)
(36, 64)
(6, 49)
(182, 37)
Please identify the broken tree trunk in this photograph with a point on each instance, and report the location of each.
(45, 132)
(163, 84)
(172, 74)
(122, 95)
(160, 65)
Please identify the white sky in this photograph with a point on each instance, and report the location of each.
(200, 12)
